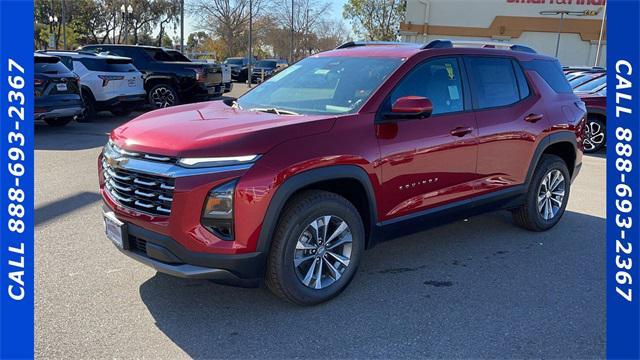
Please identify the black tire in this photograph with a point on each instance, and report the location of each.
(528, 215)
(58, 122)
(89, 107)
(595, 134)
(282, 275)
(121, 111)
(162, 96)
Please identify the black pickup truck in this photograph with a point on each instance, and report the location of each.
(166, 81)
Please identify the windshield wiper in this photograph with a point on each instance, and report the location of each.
(276, 111)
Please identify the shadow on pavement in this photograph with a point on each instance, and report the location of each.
(64, 206)
(78, 136)
(475, 288)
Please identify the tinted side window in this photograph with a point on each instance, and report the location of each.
(523, 86)
(493, 82)
(551, 72)
(105, 65)
(438, 80)
(67, 61)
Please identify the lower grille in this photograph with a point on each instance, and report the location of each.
(138, 244)
(148, 193)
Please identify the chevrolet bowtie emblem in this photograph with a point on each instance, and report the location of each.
(115, 161)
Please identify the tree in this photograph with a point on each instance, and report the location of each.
(375, 19)
(228, 20)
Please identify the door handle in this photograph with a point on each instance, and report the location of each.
(532, 118)
(461, 131)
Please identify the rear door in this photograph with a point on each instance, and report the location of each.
(511, 117)
(429, 162)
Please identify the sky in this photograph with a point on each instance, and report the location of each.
(190, 23)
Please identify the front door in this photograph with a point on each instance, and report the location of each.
(428, 162)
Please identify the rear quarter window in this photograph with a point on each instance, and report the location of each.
(551, 72)
(493, 81)
(105, 65)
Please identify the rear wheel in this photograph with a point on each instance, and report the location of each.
(595, 134)
(316, 249)
(58, 122)
(547, 197)
(162, 96)
(89, 106)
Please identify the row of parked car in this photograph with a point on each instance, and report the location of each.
(120, 78)
(590, 83)
(261, 70)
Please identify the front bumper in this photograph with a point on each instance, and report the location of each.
(168, 256)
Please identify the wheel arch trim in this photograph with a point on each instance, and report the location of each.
(304, 179)
(551, 139)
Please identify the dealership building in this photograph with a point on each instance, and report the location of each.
(535, 23)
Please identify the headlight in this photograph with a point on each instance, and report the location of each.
(217, 214)
(218, 161)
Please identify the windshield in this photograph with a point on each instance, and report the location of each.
(591, 85)
(233, 61)
(322, 85)
(266, 63)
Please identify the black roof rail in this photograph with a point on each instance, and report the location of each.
(523, 48)
(438, 44)
(372, 43)
(443, 44)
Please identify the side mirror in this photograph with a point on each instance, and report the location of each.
(410, 107)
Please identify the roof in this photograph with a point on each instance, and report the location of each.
(84, 54)
(405, 50)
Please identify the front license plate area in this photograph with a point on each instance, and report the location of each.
(115, 230)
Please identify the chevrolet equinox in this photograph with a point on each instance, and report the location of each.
(291, 182)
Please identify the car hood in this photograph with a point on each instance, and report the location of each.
(211, 129)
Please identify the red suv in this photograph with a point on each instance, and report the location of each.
(293, 181)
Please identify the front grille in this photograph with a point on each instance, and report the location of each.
(148, 193)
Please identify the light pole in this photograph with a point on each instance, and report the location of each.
(64, 28)
(126, 13)
(182, 26)
(562, 14)
(604, 15)
(292, 31)
(250, 43)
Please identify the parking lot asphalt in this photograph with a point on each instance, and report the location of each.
(479, 288)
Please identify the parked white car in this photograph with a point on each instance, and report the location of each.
(107, 82)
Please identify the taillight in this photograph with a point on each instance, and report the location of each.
(107, 78)
(38, 82)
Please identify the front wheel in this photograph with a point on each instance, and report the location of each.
(316, 249)
(162, 96)
(547, 197)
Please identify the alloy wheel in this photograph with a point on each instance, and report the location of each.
(594, 136)
(323, 252)
(551, 194)
(163, 97)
